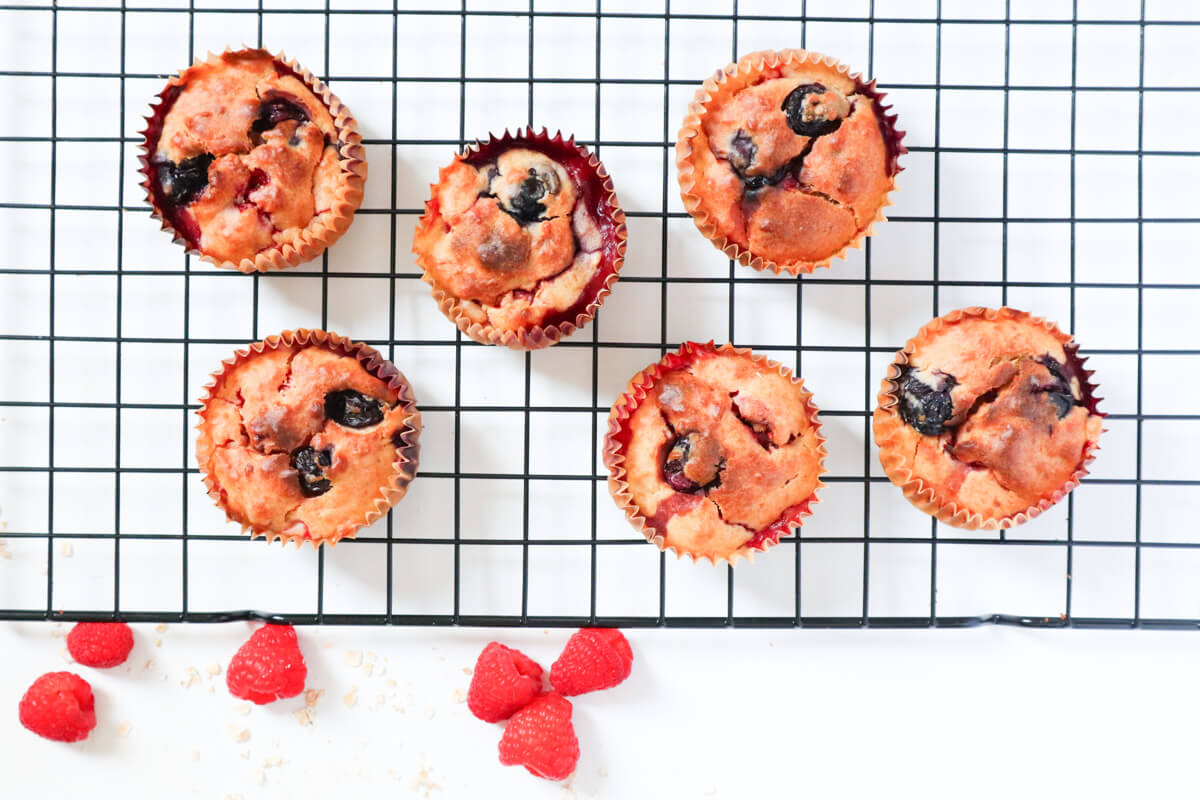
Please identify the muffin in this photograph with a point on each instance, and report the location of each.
(786, 160)
(714, 452)
(987, 418)
(251, 162)
(307, 436)
(521, 240)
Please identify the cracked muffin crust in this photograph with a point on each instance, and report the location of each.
(252, 162)
(521, 239)
(987, 418)
(714, 452)
(307, 436)
(786, 159)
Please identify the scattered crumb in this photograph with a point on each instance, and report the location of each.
(398, 708)
(66, 549)
(351, 698)
(467, 670)
(195, 755)
(354, 658)
(4, 551)
(149, 665)
(311, 697)
(430, 713)
(368, 668)
(394, 775)
(234, 796)
(192, 677)
(65, 654)
(304, 716)
(239, 734)
(709, 792)
(458, 696)
(260, 777)
(158, 642)
(371, 656)
(423, 782)
(242, 708)
(391, 684)
(244, 755)
(212, 690)
(213, 670)
(161, 627)
(272, 761)
(123, 729)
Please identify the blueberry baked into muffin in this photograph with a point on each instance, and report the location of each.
(786, 159)
(987, 418)
(307, 436)
(251, 162)
(521, 240)
(714, 452)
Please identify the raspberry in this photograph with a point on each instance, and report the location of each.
(541, 738)
(504, 681)
(59, 706)
(268, 667)
(594, 658)
(100, 644)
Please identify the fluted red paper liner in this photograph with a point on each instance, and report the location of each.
(407, 453)
(725, 83)
(897, 463)
(324, 229)
(595, 189)
(619, 436)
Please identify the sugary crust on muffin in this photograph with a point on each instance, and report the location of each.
(266, 407)
(507, 270)
(768, 195)
(1016, 427)
(755, 452)
(280, 154)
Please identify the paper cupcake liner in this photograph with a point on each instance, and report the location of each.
(324, 229)
(723, 85)
(888, 426)
(596, 189)
(619, 436)
(407, 455)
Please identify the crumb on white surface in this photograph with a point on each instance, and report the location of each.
(354, 658)
(123, 729)
(66, 549)
(213, 669)
(239, 734)
(430, 712)
(190, 678)
(161, 627)
(423, 782)
(390, 683)
(5, 553)
(467, 670)
(260, 777)
(458, 696)
(242, 708)
(351, 697)
(195, 755)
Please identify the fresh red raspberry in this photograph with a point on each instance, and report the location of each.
(100, 644)
(594, 658)
(541, 738)
(268, 667)
(504, 681)
(59, 706)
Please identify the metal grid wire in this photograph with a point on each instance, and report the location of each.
(596, 337)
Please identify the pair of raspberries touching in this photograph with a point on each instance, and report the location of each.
(507, 684)
(60, 705)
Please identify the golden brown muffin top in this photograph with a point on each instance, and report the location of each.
(991, 410)
(795, 163)
(246, 158)
(514, 235)
(723, 446)
(300, 441)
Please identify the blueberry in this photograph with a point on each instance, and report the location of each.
(309, 464)
(926, 407)
(181, 183)
(353, 409)
(275, 110)
(681, 455)
(1059, 393)
(799, 108)
(526, 205)
(742, 151)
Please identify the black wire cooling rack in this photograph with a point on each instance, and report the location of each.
(870, 547)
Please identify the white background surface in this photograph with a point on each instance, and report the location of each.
(980, 713)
